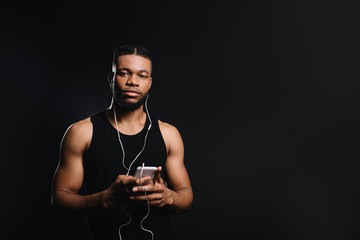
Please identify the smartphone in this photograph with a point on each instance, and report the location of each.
(147, 171)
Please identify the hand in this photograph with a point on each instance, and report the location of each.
(157, 193)
(118, 194)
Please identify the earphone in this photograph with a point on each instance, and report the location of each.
(147, 214)
(123, 156)
(118, 133)
(148, 206)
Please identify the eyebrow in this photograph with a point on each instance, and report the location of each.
(127, 69)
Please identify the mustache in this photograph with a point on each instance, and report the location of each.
(132, 89)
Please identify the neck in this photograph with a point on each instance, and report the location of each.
(127, 116)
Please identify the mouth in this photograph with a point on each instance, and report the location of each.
(132, 93)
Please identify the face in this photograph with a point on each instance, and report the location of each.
(132, 81)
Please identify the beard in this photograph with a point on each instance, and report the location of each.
(122, 104)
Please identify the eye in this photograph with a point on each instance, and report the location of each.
(143, 76)
(122, 74)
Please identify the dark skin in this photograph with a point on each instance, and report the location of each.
(133, 80)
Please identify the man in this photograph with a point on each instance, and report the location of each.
(103, 151)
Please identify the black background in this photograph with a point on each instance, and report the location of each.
(264, 93)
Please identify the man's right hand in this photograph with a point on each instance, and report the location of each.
(118, 194)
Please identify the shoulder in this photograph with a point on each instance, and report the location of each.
(79, 133)
(168, 129)
(81, 127)
(171, 135)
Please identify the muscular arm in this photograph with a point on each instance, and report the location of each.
(178, 196)
(179, 182)
(69, 174)
(69, 177)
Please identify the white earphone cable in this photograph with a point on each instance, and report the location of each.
(129, 168)
(146, 135)
(148, 206)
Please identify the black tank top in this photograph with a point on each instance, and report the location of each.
(102, 165)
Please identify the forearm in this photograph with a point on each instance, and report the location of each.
(181, 200)
(75, 204)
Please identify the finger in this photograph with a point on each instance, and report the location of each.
(157, 177)
(126, 183)
(157, 201)
(130, 181)
(151, 188)
(150, 197)
(120, 181)
(146, 188)
(143, 180)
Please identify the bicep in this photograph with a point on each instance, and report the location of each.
(69, 173)
(175, 168)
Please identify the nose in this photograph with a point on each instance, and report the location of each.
(133, 80)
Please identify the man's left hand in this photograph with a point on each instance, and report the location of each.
(156, 192)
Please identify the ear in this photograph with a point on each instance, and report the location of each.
(150, 82)
(111, 78)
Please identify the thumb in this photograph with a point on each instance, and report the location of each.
(157, 177)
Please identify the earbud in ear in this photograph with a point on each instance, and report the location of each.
(111, 79)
